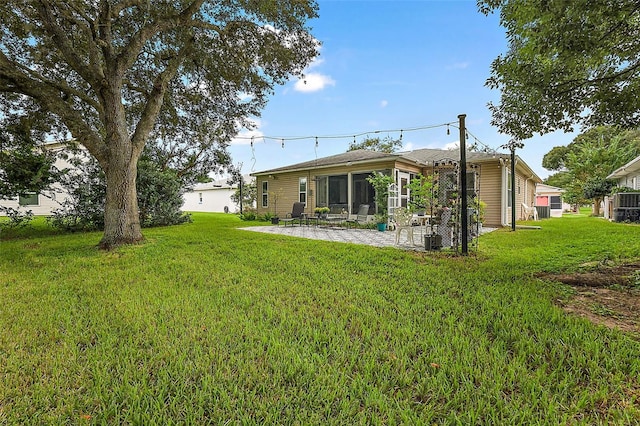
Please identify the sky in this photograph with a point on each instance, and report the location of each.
(386, 66)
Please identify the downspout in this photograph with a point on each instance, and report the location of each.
(503, 193)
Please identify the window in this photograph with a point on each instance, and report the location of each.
(362, 192)
(29, 199)
(302, 190)
(556, 202)
(331, 191)
(265, 194)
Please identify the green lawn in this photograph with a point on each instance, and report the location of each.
(204, 323)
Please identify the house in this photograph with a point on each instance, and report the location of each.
(339, 181)
(206, 197)
(549, 201)
(212, 197)
(626, 176)
(42, 204)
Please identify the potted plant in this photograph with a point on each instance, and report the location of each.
(380, 183)
(322, 212)
(381, 221)
(274, 197)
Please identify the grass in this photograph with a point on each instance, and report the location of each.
(204, 323)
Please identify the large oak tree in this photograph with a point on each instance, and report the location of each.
(116, 74)
(568, 63)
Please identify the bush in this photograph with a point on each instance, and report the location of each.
(159, 196)
(17, 218)
(248, 214)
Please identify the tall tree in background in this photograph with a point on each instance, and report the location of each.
(116, 74)
(569, 63)
(584, 164)
(388, 144)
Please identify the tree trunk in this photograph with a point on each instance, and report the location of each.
(596, 206)
(121, 217)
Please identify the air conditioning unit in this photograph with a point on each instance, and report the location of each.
(626, 207)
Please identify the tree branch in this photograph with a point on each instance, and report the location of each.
(59, 35)
(132, 49)
(49, 97)
(155, 98)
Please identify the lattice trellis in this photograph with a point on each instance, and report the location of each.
(447, 214)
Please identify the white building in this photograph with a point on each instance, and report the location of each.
(213, 197)
(549, 198)
(44, 203)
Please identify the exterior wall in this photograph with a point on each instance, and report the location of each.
(213, 200)
(491, 193)
(48, 200)
(283, 187)
(632, 181)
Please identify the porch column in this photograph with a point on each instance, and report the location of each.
(349, 191)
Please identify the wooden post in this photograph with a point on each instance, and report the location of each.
(464, 219)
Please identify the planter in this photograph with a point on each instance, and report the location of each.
(275, 220)
(382, 227)
(432, 242)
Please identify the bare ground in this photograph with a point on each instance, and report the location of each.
(608, 295)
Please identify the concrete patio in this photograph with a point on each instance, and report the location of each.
(369, 237)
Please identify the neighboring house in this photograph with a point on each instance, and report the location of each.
(626, 176)
(212, 197)
(44, 203)
(339, 181)
(207, 197)
(549, 201)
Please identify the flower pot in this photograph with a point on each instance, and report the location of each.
(382, 227)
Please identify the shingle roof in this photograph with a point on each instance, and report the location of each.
(346, 157)
(423, 156)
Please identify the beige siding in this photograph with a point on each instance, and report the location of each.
(286, 185)
(491, 192)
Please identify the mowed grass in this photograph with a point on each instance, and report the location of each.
(208, 324)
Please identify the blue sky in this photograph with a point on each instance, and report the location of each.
(388, 65)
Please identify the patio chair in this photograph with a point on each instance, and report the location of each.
(530, 212)
(404, 221)
(296, 214)
(362, 217)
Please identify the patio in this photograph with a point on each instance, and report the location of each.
(370, 237)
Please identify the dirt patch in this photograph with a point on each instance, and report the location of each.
(608, 295)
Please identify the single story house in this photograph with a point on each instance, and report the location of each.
(205, 197)
(549, 201)
(339, 181)
(213, 197)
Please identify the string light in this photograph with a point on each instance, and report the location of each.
(400, 135)
(448, 131)
(283, 143)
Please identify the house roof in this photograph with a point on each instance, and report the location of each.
(220, 184)
(543, 187)
(422, 157)
(630, 167)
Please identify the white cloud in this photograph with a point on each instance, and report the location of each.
(452, 145)
(244, 137)
(384, 103)
(313, 82)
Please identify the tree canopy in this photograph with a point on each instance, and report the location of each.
(568, 63)
(184, 74)
(584, 164)
(387, 144)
